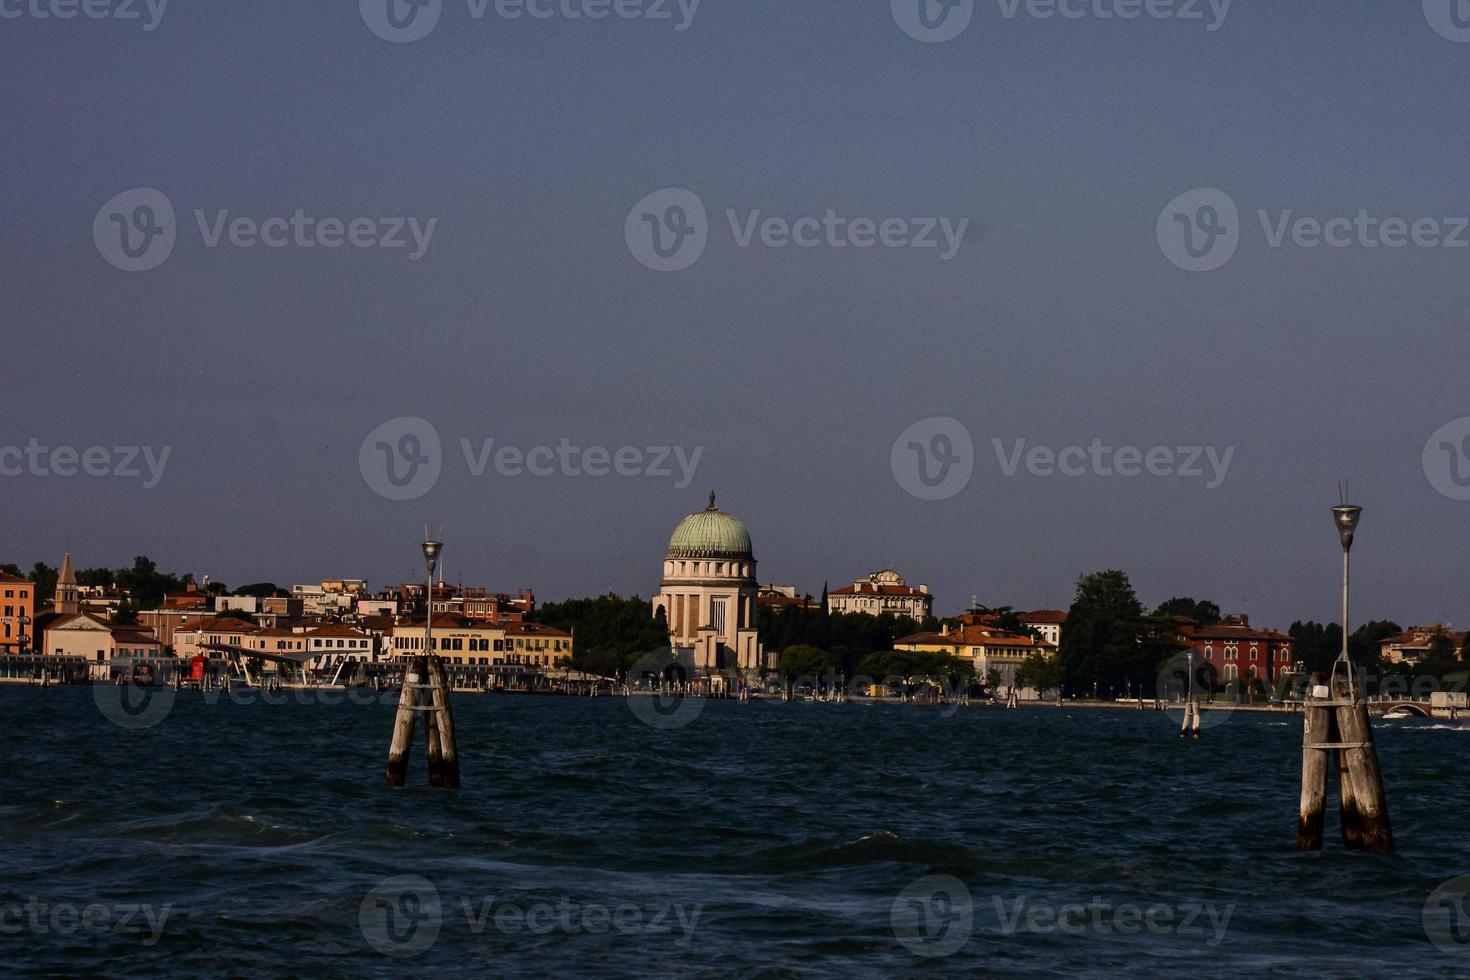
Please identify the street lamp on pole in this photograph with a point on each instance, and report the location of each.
(431, 561)
(1346, 516)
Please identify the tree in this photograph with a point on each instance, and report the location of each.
(9, 568)
(1441, 659)
(1039, 671)
(804, 660)
(1101, 644)
(611, 633)
(45, 578)
(126, 615)
(1203, 612)
(262, 590)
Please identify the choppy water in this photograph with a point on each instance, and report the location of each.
(758, 840)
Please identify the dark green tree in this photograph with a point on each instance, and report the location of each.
(1203, 612)
(45, 578)
(610, 632)
(1102, 646)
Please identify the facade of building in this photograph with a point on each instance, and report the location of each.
(986, 648)
(708, 595)
(335, 644)
(98, 641)
(1412, 645)
(1047, 622)
(17, 614)
(1234, 651)
(462, 641)
(882, 592)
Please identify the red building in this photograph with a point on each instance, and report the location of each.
(1233, 650)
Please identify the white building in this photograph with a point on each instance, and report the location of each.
(882, 592)
(708, 595)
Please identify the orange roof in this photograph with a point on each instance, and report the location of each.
(1050, 617)
(533, 629)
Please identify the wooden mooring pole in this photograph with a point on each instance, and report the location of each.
(1336, 722)
(425, 692)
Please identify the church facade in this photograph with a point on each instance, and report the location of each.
(708, 595)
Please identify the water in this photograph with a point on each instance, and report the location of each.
(759, 840)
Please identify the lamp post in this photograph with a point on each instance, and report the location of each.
(1346, 517)
(431, 561)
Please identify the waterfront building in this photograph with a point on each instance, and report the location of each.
(333, 644)
(987, 648)
(464, 641)
(708, 595)
(1232, 650)
(98, 641)
(1047, 622)
(1415, 643)
(882, 592)
(17, 614)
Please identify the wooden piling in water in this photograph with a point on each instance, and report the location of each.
(443, 714)
(403, 728)
(1315, 730)
(1365, 824)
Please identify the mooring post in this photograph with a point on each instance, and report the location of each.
(1315, 730)
(443, 715)
(402, 728)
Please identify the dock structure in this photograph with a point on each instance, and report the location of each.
(426, 691)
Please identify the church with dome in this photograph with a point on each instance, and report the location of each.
(708, 595)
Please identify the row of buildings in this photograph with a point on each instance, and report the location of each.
(319, 627)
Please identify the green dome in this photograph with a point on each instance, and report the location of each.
(711, 533)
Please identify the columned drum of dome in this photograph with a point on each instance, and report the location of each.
(708, 595)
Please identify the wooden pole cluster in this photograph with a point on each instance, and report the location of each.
(425, 691)
(1338, 726)
(1190, 727)
(1337, 722)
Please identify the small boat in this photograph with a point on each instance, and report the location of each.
(1398, 713)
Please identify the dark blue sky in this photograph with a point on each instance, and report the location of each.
(528, 320)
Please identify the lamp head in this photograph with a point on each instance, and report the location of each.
(431, 554)
(1346, 517)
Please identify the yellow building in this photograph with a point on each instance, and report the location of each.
(986, 648)
(462, 641)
